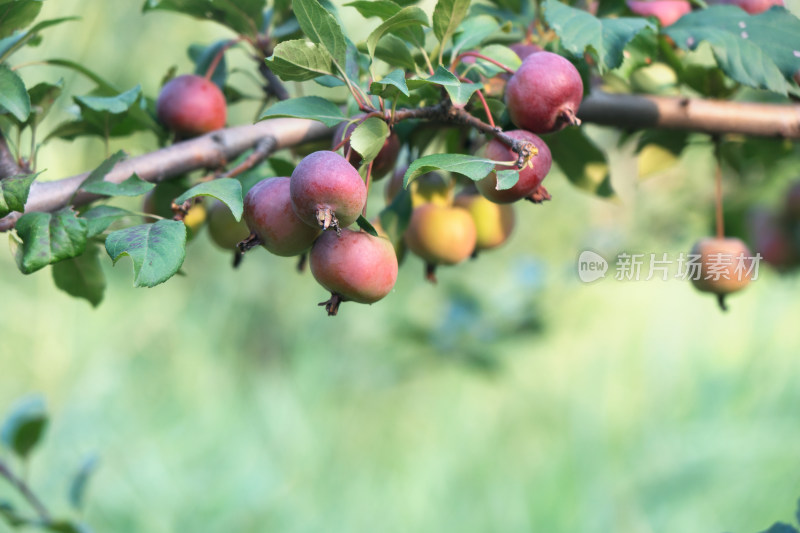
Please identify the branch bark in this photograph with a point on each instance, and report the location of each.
(706, 116)
(211, 150)
(8, 165)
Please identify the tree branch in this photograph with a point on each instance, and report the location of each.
(26, 492)
(706, 116)
(211, 150)
(8, 165)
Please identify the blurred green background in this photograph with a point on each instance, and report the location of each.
(510, 397)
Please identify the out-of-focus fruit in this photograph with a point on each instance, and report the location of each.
(223, 228)
(666, 11)
(441, 235)
(191, 105)
(493, 222)
(385, 160)
(725, 266)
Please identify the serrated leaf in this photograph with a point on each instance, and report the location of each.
(395, 217)
(133, 186)
(49, 238)
(115, 105)
(321, 28)
(14, 97)
(364, 224)
(24, 425)
(580, 159)
(473, 31)
(506, 179)
(14, 192)
(604, 38)
(99, 218)
(17, 15)
(473, 167)
(226, 190)
(82, 276)
(43, 96)
(368, 138)
(411, 16)
(390, 85)
(458, 92)
(156, 250)
(203, 56)
(77, 489)
(242, 16)
(759, 51)
(97, 175)
(310, 107)
(300, 60)
(447, 16)
(386, 9)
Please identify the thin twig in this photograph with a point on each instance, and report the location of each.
(22, 487)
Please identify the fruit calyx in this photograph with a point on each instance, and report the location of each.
(539, 195)
(326, 218)
(332, 304)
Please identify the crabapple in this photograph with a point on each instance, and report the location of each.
(493, 222)
(544, 93)
(268, 213)
(353, 266)
(754, 7)
(191, 105)
(327, 191)
(725, 266)
(530, 177)
(223, 229)
(441, 235)
(666, 11)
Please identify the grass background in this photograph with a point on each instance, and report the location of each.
(510, 397)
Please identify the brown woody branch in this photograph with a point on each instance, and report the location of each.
(208, 151)
(8, 165)
(706, 116)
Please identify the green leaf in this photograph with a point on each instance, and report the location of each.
(97, 175)
(48, 238)
(395, 217)
(364, 224)
(64, 526)
(14, 192)
(77, 67)
(226, 190)
(395, 51)
(99, 218)
(605, 38)
(116, 105)
(321, 28)
(281, 167)
(157, 250)
(24, 425)
(506, 179)
(82, 276)
(43, 96)
(407, 17)
(780, 527)
(473, 31)
(390, 85)
(473, 167)
(300, 60)
(242, 16)
(580, 159)
(11, 516)
(133, 186)
(310, 107)
(459, 92)
(759, 51)
(447, 16)
(502, 54)
(77, 489)
(386, 9)
(11, 44)
(17, 14)
(14, 97)
(203, 56)
(368, 138)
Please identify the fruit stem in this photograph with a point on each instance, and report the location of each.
(249, 243)
(485, 58)
(218, 57)
(721, 302)
(301, 263)
(430, 273)
(718, 179)
(332, 304)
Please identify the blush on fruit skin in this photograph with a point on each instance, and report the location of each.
(730, 258)
(544, 94)
(754, 7)
(383, 162)
(354, 265)
(327, 191)
(666, 11)
(268, 213)
(493, 222)
(529, 177)
(223, 228)
(441, 235)
(191, 105)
